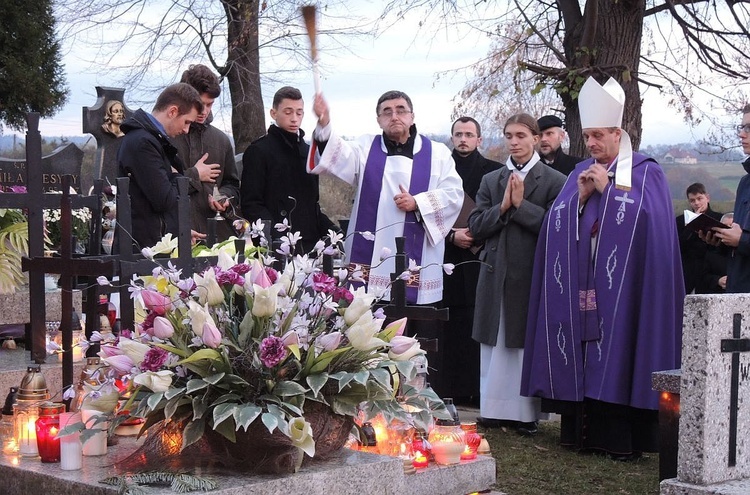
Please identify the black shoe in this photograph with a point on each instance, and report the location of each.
(527, 429)
(633, 456)
(489, 422)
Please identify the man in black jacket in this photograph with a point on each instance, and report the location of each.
(550, 145)
(692, 249)
(460, 358)
(149, 159)
(275, 186)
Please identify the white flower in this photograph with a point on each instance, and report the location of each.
(283, 226)
(361, 304)
(102, 280)
(225, 262)
(209, 290)
(385, 253)
(148, 253)
(197, 315)
(369, 236)
(264, 300)
(361, 335)
(335, 237)
(448, 268)
(132, 349)
(319, 247)
(300, 431)
(404, 348)
(156, 381)
(166, 245)
(413, 266)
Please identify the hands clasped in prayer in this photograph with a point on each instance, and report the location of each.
(513, 194)
(593, 178)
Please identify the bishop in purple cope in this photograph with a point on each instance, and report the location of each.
(607, 294)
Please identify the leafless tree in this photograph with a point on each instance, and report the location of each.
(692, 50)
(145, 43)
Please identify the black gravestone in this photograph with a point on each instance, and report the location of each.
(65, 160)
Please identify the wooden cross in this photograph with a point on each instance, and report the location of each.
(735, 345)
(68, 267)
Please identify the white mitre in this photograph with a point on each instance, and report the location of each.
(603, 106)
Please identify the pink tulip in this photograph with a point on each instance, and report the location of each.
(211, 335)
(163, 328)
(329, 341)
(109, 351)
(122, 363)
(258, 275)
(156, 302)
(400, 325)
(290, 338)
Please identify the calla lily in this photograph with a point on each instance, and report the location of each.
(156, 381)
(300, 431)
(361, 335)
(211, 334)
(329, 341)
(404, 348)
(359, 306)
(121, 363)
(163, 328)
(264, 302)
(134, 350)
(197, 315)
(208, 288)
(156, 302)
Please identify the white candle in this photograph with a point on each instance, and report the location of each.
(97, 444)
(27, 442)
(71, 453)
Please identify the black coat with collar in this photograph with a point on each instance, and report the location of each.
(563, 163)
(149, 159)
(508, 254)
(273, 172)
(459, 288)
(693, 251)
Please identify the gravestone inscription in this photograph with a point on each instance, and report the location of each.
(65, 160)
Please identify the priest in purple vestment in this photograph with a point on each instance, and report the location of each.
(607, 295)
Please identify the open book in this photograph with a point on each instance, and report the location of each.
(698, 222)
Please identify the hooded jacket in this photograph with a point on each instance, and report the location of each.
(201, 139)
(149, 159)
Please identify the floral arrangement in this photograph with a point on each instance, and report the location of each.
(243, 344)
(14, 243)
(80, 227)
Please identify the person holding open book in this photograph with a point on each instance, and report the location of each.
(692, 248)
(460, 380)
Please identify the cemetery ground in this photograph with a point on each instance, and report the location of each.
(540, 466)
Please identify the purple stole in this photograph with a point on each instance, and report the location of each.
(367, 211)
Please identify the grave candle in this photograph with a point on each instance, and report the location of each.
(97, 444)
(25, 419)
(420, 460)
(71, 453)
(47, 428)
(468, 454)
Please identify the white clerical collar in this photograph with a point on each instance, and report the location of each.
(528, 166)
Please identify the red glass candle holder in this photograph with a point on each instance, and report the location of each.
(420, 460)
(47, 428)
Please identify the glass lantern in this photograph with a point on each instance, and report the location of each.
(32, 392)
(47, 428)
(448, 442)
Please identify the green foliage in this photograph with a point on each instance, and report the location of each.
(14, 243)
(31, 75)
(178, 482)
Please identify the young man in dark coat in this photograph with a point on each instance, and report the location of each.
(275, 186)
(209, 156)
(460, 369)
(692, 249)
(148, 157)
(550, 145)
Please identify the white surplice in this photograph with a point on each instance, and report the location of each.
(439, 206)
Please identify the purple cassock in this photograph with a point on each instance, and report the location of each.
(599, 323)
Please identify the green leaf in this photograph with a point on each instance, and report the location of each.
(407, 369)
(344, 380)
(214, 379)
(288, 388)
(227, 430)
(154, 400)
(173, 392)
(316, 382)
(322, 361)
(195, 384)
(382, 376)
(208, 354)
(270, 421)
(226, 398)
(193, 432)
(245, 415)
(222, 412)
(199, 407)
(173, 350)
(361, 377)
(173, 404)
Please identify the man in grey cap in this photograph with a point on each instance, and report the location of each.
(550, 148)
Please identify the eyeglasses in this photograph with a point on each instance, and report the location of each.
(743, 128)
(388, 112)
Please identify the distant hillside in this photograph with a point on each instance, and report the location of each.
(9, 140)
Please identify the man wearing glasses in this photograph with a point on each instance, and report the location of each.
(737, 237)
(406, 185)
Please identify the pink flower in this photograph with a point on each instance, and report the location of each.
(290, 338)
(329, 341)
(109, 351)
(211, 335)
(258, 275)
(156, 302)
(240, 268)
(272, 351)
(340, 293)
(155, 359)
(323, 283)
(121, 363)
(162, 328)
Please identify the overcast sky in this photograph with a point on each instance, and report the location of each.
(353, 81)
